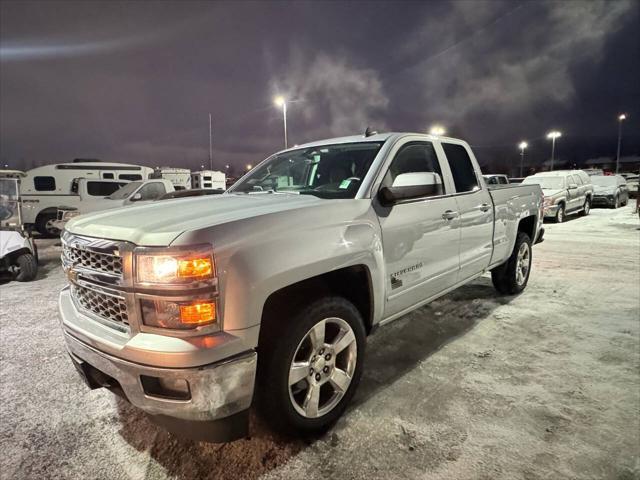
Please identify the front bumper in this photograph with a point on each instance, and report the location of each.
(219, 394)
(607, 200)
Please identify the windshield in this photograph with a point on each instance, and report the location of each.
(548, 183)
(125, 191)
(604, 181)
(328, 171)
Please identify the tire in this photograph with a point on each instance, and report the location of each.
(616, 202)
(511, 278)
(27, 267)
(44, 227)
(560, 214)
(284, 404)
(586, 208)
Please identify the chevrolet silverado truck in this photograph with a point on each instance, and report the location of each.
(192, 308)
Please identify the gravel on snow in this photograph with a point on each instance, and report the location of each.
(542, 385)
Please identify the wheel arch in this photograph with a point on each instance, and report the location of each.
(353, 283)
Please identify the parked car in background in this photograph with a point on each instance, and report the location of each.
(632, 185)
(593, 171)
(46, 188)
(516, 179)
(609, 190)
(268, 291)
(496, 179)
(565, 192)
(133, 193)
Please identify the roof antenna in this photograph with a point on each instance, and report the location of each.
(368, 132)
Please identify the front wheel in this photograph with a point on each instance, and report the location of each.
(616, 202)
(310, 367)
(26, 267)
(512, 276)
(560, 214)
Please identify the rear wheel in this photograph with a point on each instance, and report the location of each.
(308, 375)
(44, 225)
(512, 276)
(26, 267)
(586, 208)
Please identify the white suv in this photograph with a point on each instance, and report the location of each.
(565, 192)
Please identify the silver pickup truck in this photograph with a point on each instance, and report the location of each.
(191, 308)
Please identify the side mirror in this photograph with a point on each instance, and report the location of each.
(411, 185)
(572, 186)
(136, 197)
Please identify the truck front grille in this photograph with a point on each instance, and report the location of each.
(101, 262)
(112, 308)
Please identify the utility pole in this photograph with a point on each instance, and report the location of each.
(210, 145)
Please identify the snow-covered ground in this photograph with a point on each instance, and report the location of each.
(542, 385)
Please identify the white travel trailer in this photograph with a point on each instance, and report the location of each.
(179, 177)
(46, 188)
(209, 179)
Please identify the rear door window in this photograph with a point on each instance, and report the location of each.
(152, 191)
(464, 175)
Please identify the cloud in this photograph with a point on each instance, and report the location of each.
(332, 95)
(510, 60)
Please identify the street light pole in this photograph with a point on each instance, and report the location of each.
(621, 118)
(281, 102)
(522, 146)
(553, 135)
(210, 145)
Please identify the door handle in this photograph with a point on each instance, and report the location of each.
(449, 215)
(485, 207)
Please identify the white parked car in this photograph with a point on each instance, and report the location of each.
(133, 193)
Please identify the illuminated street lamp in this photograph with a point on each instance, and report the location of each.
(281, 102)
(621, 118)
(552, 135)
(437, 130)
(249, 167)
(522, 146)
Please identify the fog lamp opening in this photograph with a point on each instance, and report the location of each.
(170, 388)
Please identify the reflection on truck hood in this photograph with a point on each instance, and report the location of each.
(159, 223)
(552, 192)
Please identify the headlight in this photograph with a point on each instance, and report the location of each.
(175, 268)
(188, 278)
(548, 201)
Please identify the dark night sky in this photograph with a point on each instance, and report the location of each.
(135, 81)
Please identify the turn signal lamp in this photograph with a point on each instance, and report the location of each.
(198, 313)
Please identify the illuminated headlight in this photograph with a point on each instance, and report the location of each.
(173, 269)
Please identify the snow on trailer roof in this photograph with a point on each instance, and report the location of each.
(12, 173)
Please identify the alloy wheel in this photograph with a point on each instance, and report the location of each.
(322, 367)
(523, 263)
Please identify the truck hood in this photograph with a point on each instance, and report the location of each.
(159, 223)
